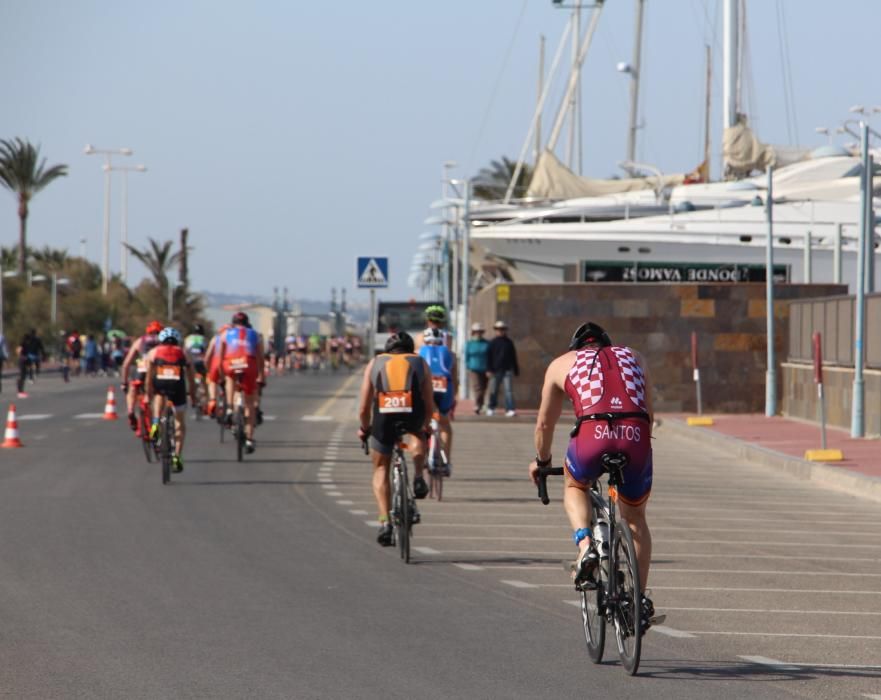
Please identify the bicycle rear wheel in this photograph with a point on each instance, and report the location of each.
(239, 423)
(220, 410)
(166, 447)
(402, 510)
(593, 613)
(627, 616)
(143, 421)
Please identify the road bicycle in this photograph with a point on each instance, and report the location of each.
(436, 460)
(143, 420)
(614, 596)
(238, 413)
(165, 438)
(220, 407)
(201, 391)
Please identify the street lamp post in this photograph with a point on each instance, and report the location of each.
(90, 150)
(123, 238)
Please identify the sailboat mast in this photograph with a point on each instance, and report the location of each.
(707, 111)
(730, 42)
(634, 82)
(541, 73)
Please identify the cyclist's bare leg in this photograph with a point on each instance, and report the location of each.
(446, 431)
(381, 493)
(417, 452)
(180, 428)
(229, 386)
(642, 537)
(250, 414)
(576, 503)
(131, 398)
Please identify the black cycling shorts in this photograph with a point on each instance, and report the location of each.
(176, 392)
(387, 428)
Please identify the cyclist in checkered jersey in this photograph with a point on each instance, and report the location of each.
(609, 390)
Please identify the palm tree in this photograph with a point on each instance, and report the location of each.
(50, 259)
(492, 182)
(158, 259)
(23, 173)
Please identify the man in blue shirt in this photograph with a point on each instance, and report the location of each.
(476, 351)
(444, 381)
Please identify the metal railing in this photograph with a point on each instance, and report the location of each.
(833, 317)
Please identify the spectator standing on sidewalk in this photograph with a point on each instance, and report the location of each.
(476, 351)
(91, 355)
(502, 368)
(30, 352)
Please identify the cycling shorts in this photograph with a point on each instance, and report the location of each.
(199, 366)
(443, 402)
(630, 436)
(176, 392)
(248, 375)
(387, 427)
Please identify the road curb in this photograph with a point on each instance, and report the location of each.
(837, 478)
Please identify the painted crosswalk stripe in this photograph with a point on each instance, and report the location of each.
(671, 632)
(334, 494)
(34, 416)
(89, 415)
(426, 550)
(468, 567)
(519, 584)
(345, 503)
(358, 511)
(318, 419)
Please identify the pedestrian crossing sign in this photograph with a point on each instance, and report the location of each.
(372, 272)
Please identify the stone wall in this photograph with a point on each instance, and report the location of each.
(800, 395)
(657, 320)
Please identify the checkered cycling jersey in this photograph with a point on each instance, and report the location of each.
(608, 380)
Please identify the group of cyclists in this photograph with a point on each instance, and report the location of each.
(166, 367)
(302, 352)
(607, 385)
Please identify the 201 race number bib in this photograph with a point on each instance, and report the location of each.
(395, 402)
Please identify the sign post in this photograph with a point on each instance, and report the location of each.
(697, 372)
(371, 273)
(818, 379)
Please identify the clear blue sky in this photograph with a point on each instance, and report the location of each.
(292, 136)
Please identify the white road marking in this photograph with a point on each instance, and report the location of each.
(334, 494)
(468, 567)
(872, 697)
(317, 419)
(731, 555)
(34, 416)
(426, 550)
(351, 503)
(328, 464)
(774, 612)
(814, 545)
(358, 512)
(372, 523)
(671, 632)
(786, 634)
(765, 661)
(729, 572)
(329, 485)
(269, 418)
(519, 584)
(89, 415)
(764, 590)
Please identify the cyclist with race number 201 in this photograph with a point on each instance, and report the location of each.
(609, 389)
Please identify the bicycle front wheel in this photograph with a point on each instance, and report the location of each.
(143, 421)
(593, 613)
(627, 615)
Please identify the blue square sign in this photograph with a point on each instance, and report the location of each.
(372, 272)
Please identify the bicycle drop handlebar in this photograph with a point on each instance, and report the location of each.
(543, 474)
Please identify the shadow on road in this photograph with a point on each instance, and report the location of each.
(247, 482)
(747, 671)
(489, 561)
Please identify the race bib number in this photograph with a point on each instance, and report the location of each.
(168, 373)
(141, 365)
(439, 384)
(238, 364)
(395, 402)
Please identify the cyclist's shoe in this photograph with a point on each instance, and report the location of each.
(132, 421)
(584, 569)
(177, 464)
(415, 515)
(154, 431)
(420, 488)
(386, 535)
(228, 418)
(250, 446)
(649, 618)
(259, 416)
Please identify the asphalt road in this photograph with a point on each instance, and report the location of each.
(263, 579)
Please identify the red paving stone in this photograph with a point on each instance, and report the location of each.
(793, 438)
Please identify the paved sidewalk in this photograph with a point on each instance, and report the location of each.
(782, 442)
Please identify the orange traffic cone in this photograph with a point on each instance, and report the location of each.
(110, 406)
(11, 437)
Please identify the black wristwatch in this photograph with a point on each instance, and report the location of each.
(543, 462)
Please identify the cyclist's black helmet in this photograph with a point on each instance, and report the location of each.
(400, 342)
(589, 333)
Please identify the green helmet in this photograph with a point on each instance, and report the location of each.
(436, 313)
